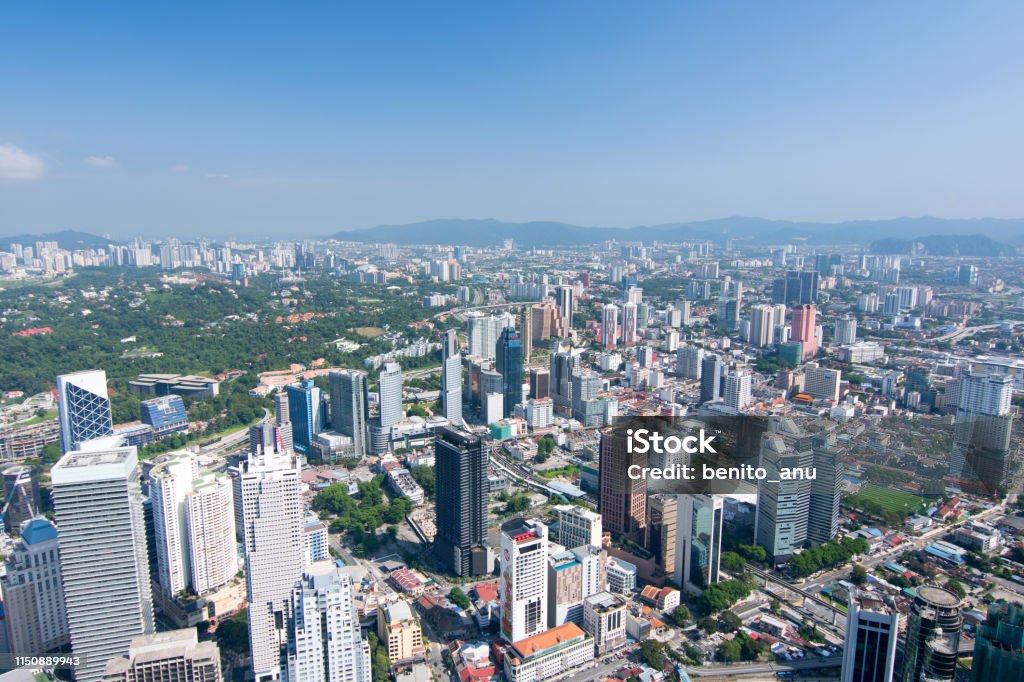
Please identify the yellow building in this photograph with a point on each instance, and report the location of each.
(400, 632)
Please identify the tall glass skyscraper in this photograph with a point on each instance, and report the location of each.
(699, 544)
(349, 406)
(451, 377)
(510, 364)
(306, 412)
(461, 477)
(84, 408)
(390, 393)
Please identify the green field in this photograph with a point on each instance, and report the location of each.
(889, 499)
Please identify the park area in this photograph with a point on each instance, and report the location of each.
(888, 503)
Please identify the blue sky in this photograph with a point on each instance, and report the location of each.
(302, 119)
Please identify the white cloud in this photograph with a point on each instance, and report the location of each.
(181, 168)
(17, 164)
(216, 175)
(101, 161)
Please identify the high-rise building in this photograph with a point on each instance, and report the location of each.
(33, 592)
(390, 393)
(662, 524)
(565, 298)
(577, 526)
(762, 325)
(460, 470)
(604, 617)
(20, 495)
(699, 546)
(271, 495)
(872, 628)
(629, 323)
(586, 408)
(83, 408)
(783, 505)
(826, 493)
(540, 383)
(170, 483)
(999, 647)
(268, 436)
(982, 435)
(172, 656)
(710, 378)
(97, 500)
(564, 364)
(688, 362)
(610, 325)
(846, 330)
(324, 638)
(523, 588)
(509, 363)
(483, 331)
(622, 501)
(306, 413)
(822, 383)
(350, 407)
(798, 287)
(933, 635)
(738, 385)
(451, 377)
(210, 515)
(805, 321)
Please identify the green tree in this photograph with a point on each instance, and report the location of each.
(459, 598)
(681, 616)
(652, 653)
(859, 575)
(956, 587)
(730, 651)
(732, 562)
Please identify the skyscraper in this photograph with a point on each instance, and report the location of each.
(540, 382)
(33, 592)
(350, 407)
(629, 324)
(20, 495)
(999, 648)
(610, 325)
(271, 496)
(509, 363)
(451, 377)
(762, 325)
(306, 413)
(783, 505)
(565, 298)
(97, 500)
(662, 530)
(390, 393)
(699, 545)
(933, 636)
(460, 470)
(826, 492)
(846, 330)
(621, 499)
(578, 526)
(982, 435)
(83, 408)
(710, 378)
(688, 362)
(325, 642)
(210, 516)
(170, 485)
(523, 588)
(738, 389)
(805, 320)
(872, 628)
(564, 365)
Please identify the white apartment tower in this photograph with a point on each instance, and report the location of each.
(390, 393)
(270, 486)
(325, 643)
(170, 484)
(762, 325)
(523, 588)
(451, 377)
(610, 326)
(872, 629)
(97, 499)
(213, 556)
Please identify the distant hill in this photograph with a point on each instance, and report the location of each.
(66, 239)
(943, 245)
(490, 232)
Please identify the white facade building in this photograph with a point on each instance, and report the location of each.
(523, 586)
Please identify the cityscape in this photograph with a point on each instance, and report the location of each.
(570, 341)
(356, 460)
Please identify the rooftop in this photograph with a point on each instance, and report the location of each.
(547, 640)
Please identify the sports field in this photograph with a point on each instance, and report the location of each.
(889, 498)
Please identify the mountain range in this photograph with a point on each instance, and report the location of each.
(490, 232)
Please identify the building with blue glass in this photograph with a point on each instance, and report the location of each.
(306, 410)
(165, 414)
